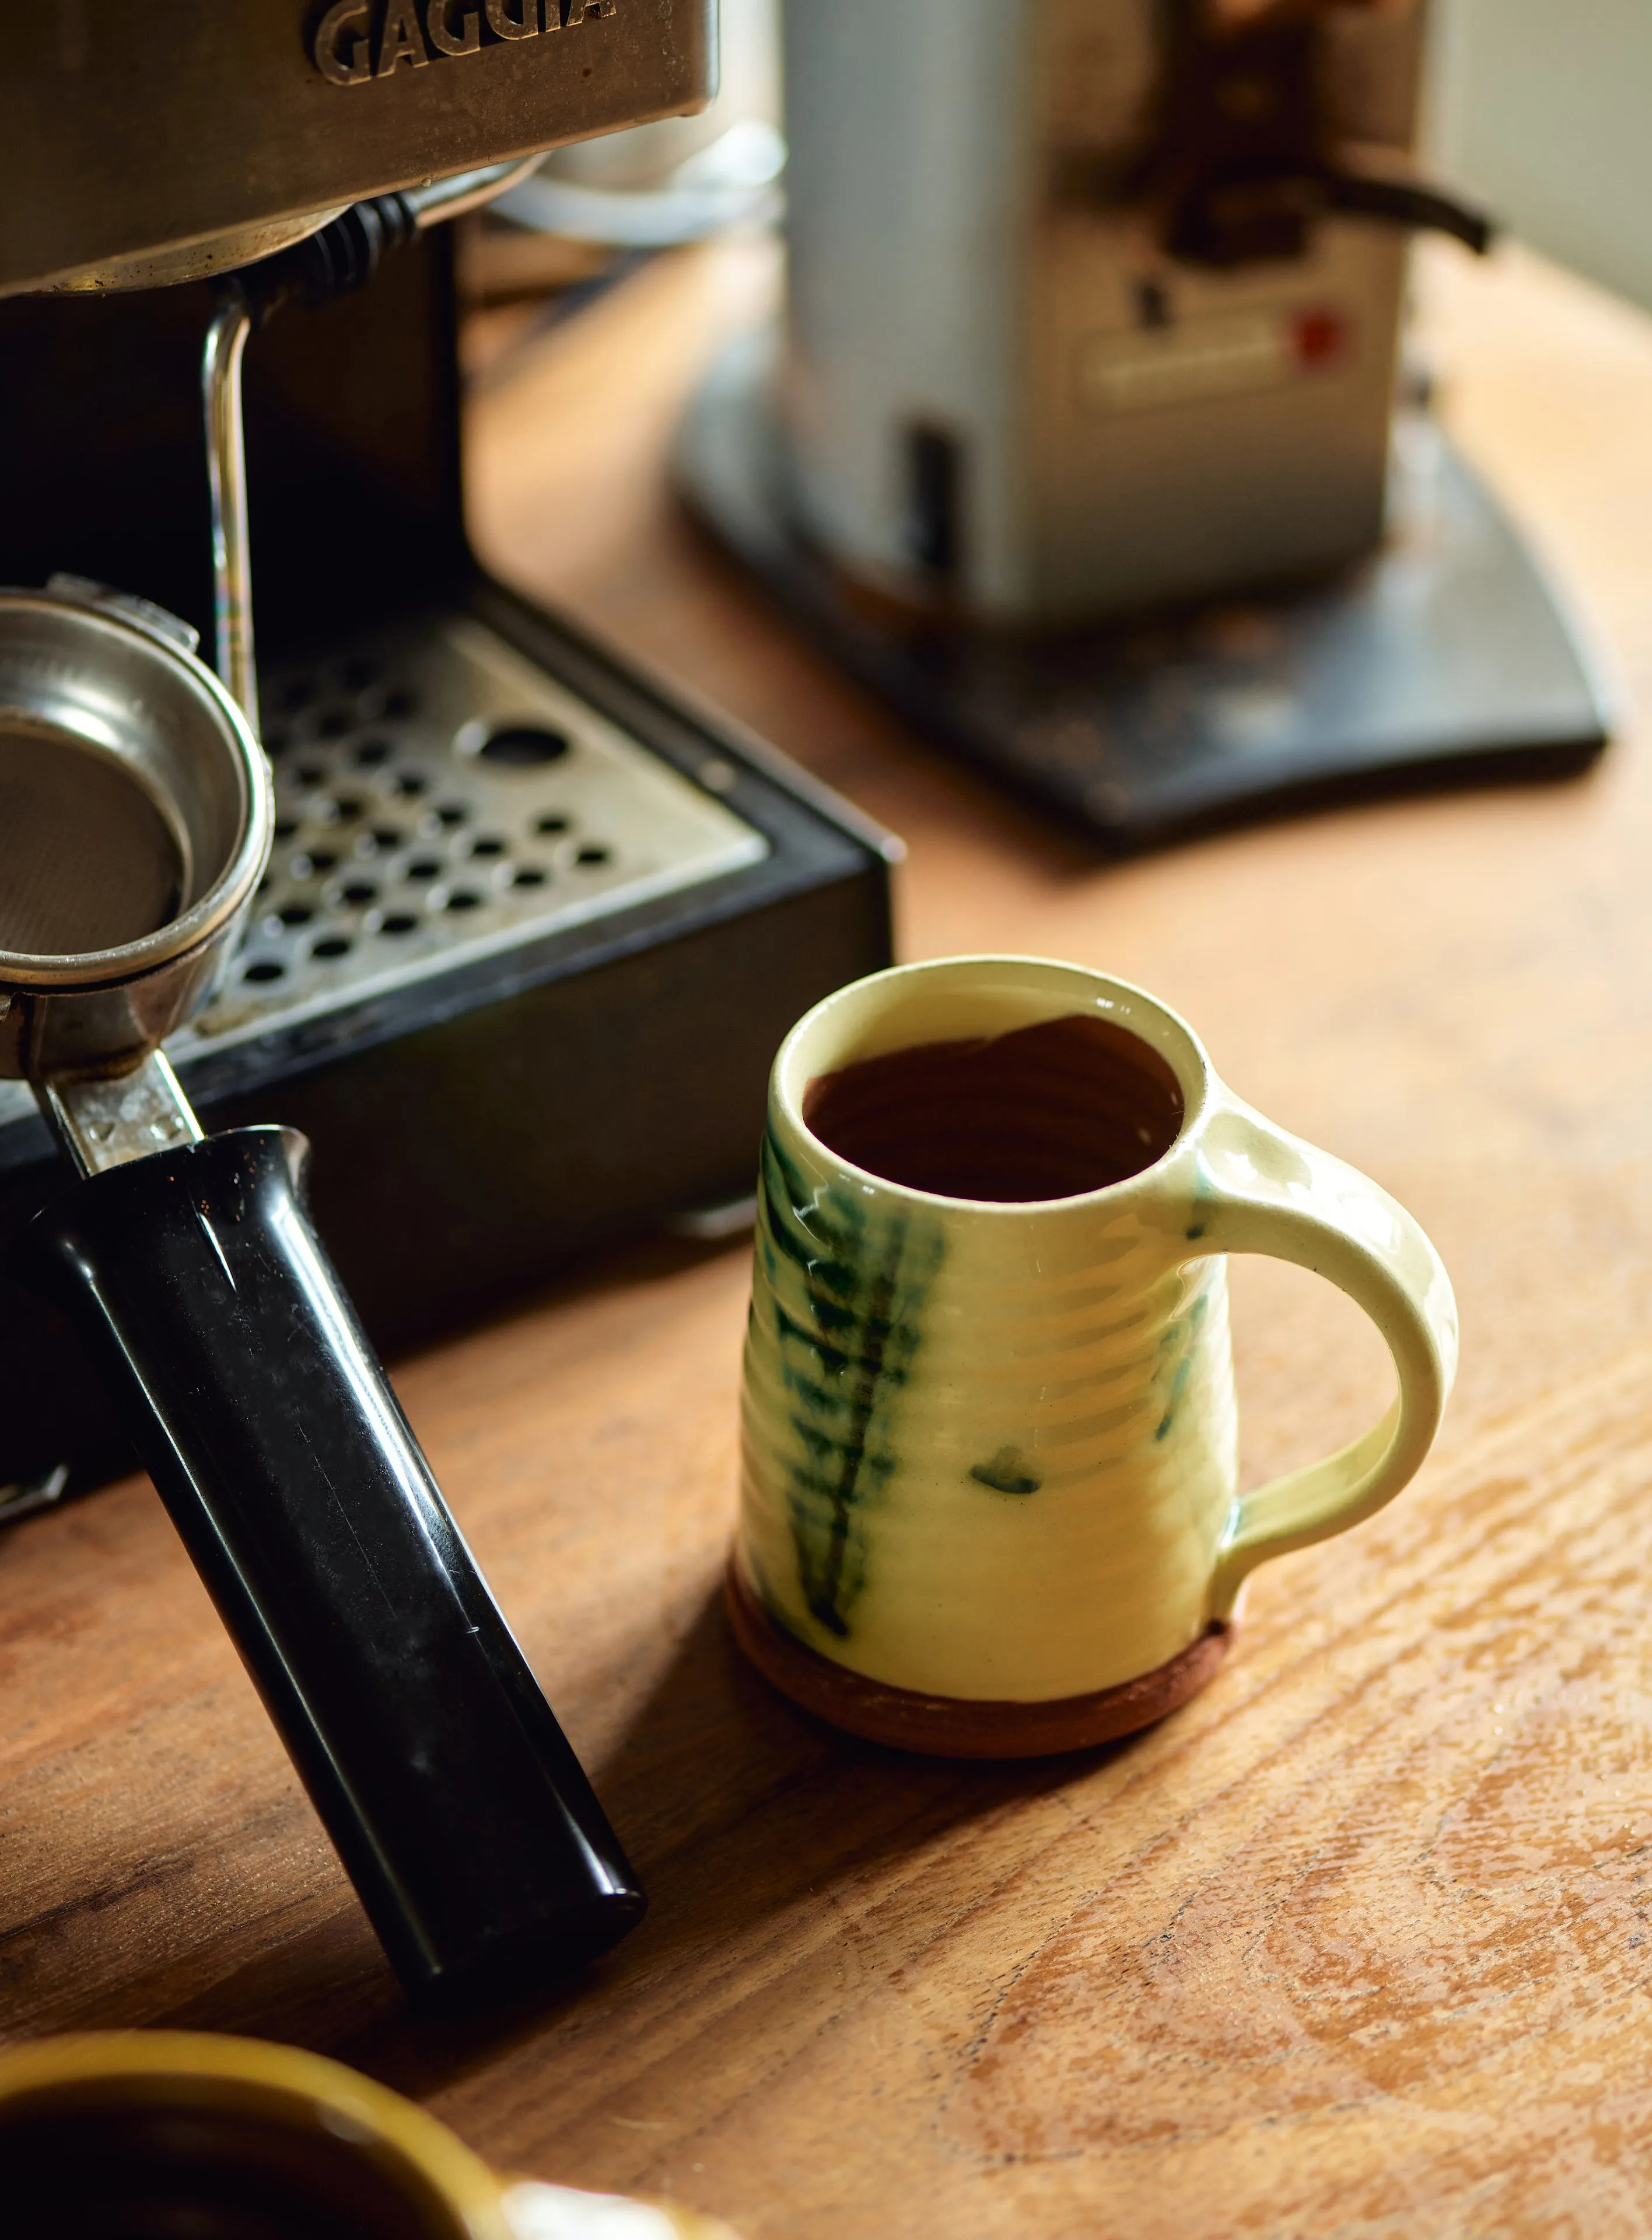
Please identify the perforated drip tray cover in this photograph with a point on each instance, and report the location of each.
(439, 798)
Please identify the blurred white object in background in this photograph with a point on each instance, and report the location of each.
(683, 177)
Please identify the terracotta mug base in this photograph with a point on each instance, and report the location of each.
(950, 1726)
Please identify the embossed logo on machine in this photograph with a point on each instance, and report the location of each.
(358, 41)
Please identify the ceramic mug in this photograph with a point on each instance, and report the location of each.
(989, 1500)
(120, 2133)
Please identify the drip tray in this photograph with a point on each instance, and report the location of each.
(438, 798)
(530, 935)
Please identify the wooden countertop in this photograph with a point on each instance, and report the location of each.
(1355, 1943)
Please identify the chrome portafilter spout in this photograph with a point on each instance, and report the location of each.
(135, 825)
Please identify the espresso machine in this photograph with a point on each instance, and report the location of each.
(1085, 438)
(532, 925)
(504, 926)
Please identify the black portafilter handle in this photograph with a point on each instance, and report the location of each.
(463, 1817)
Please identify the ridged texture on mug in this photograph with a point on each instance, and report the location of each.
(983, 1457)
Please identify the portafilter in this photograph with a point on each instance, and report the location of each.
(135, 822)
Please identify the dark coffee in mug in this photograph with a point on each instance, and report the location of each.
(1046, 1111)
(114, 2165)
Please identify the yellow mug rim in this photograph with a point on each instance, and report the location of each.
(247, 2072)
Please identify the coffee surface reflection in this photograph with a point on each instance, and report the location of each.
(1047, 1111)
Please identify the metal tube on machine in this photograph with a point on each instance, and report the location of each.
(226, 345)
(434, 203)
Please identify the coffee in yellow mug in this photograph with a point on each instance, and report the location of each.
(990, 1498)
(181, 2135)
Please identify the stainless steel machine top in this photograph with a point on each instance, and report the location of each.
(147, 144)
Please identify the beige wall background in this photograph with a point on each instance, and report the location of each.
(1545, 108)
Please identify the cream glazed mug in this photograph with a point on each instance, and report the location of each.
(989, 1502)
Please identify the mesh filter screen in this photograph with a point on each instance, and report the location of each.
(87, 860)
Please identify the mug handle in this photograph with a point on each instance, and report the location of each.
(1263, 1190)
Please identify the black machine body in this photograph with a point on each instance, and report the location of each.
(532, 929)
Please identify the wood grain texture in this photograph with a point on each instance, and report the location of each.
(1354, 1944)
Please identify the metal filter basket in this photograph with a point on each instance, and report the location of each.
(135, 823)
